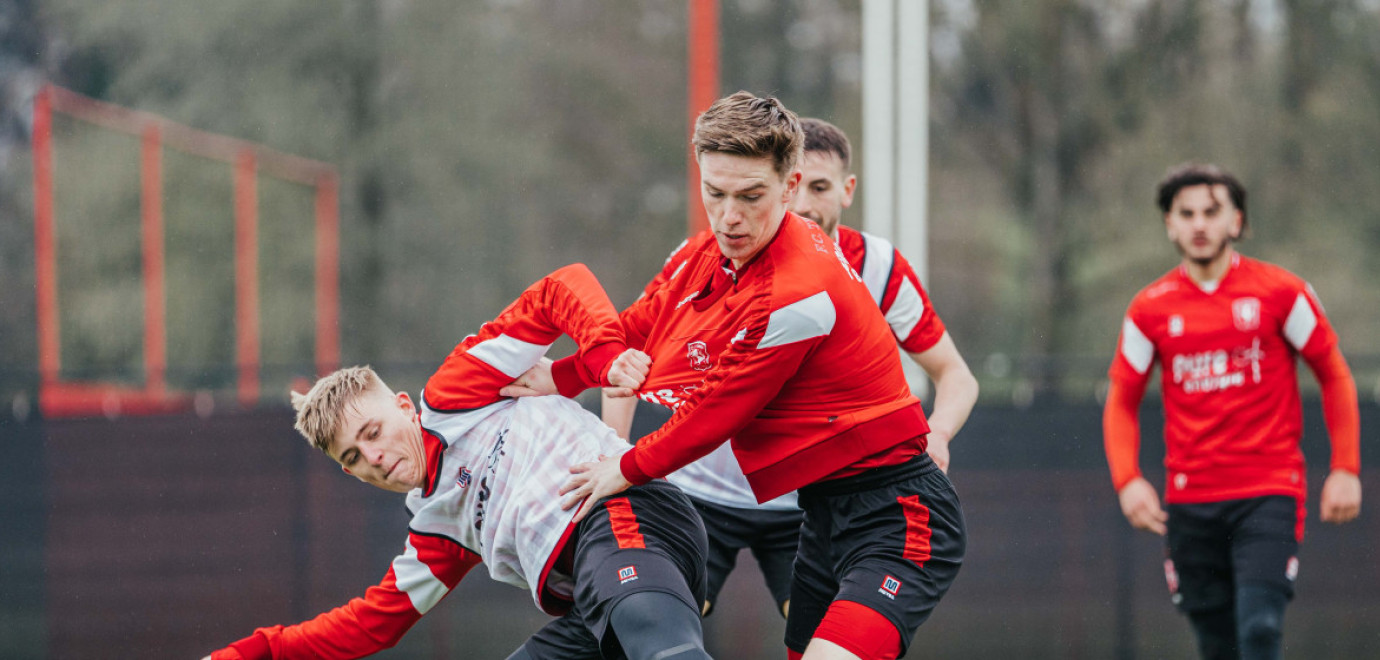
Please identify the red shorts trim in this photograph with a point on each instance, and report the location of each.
(624, 523)
(917, 530)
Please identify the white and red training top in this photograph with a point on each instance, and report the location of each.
(494, 469)
(1227, 358)
(893, 286)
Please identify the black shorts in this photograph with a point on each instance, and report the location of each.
(771, 534)
(1215, 547)
(891, 539)
(647, 538)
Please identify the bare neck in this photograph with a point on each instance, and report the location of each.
(1212, 271)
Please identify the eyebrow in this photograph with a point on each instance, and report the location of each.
(751, 188)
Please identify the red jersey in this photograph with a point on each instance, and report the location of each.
(791, 358)
(1227, 359)
(494, 470)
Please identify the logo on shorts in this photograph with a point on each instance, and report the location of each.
(1246, 313)
(890, 586)
(1291, 569)
(1171, 578)
(627, 574)
(698, 354)
(1176, 326)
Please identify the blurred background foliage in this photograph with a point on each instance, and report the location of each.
(483, 143)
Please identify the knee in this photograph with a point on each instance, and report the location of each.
(1261, 628)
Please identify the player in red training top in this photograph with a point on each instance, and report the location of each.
(482, 473)
(1225, 331)
(808, 386)
(716, 483)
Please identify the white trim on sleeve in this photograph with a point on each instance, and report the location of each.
(1298, 328)
(509, 355)
(415, 579)
(878, 260)
(906, 310)
(1136, 347)
(800, 320)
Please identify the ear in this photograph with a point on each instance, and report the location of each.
(792, 185)
(849, 185)
(1235, 231)
(405, 402)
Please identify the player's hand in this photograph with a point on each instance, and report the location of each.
(627, 373)
(1341, 497)
(591, 482)
(1141, 506)
(536, 381)
(939, 449)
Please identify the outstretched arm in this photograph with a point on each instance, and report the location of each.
(427, 570)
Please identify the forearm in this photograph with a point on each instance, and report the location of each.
(955, 394)
(1341, 411)
(1121, 432)
(617, 412)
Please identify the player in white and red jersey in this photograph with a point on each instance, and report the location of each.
(715, 483)
(807, 384)
(482, 473)
(1226, 332)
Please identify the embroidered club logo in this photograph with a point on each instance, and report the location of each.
(464, 479)
(890, 586)
(1291, 569)
(1171, 578)
(627, 574)
(1246, 313)
(698, 354)
(1176, 326)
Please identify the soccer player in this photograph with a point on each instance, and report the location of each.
(715, 483)
(482, 473)
(807, 385)
(1225, 331)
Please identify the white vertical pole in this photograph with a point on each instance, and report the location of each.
(879, 105)
(895, 173)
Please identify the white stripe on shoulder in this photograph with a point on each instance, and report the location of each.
(1136, 347)
(676, 251)
(877, 265)
(415, 579)
(509, 355)
(1298, 328)
(906, 310)
(800, 320)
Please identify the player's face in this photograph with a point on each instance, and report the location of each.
(1202, 223)
(745, 199)
(825, 189)
(380, 441)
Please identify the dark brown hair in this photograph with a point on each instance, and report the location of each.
(822, 136)
(747, 125)
(1195, 174)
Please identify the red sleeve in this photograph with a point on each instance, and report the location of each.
(1341, 411)
(568, 301)
(1121, 430)
(907, 308)
(747, 377)
(416, 581)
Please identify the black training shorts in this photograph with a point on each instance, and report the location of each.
(1216, 546)
(891, 539)
(771, 534)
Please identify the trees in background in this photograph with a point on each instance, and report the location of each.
(483, 143)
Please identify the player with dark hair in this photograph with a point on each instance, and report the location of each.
(802, 375)
(482, 473)
(716, 483)
(1226, 331)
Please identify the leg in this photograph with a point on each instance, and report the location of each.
(1216, 633)
(1199, 572)
(724, 527)
(813, 584)
(774, 547)
(565, 637)
(1264, 559)
(651, 625)
(1260, 621)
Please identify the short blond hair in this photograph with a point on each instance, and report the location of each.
(747, 125)
(321, 411)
